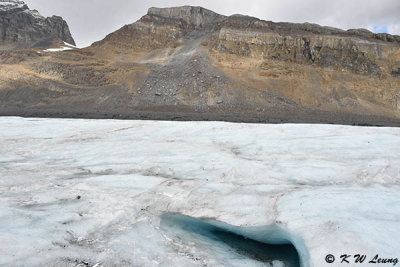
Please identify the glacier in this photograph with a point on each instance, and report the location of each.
(77, 192)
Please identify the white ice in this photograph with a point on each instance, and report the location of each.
(330, 189)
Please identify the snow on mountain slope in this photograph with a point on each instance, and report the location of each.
(149, 193)
(65, 47)
(19, 6)
(6, 5)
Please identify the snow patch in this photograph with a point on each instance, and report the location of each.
(64, 48)
(34, 13)
(69, 45)
(6, 5)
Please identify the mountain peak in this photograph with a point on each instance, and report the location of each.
(195, 15)
(21, 27)
(6, 5)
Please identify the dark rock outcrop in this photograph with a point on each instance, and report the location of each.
(396, 73)
(21, 27)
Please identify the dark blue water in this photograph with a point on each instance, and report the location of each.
(247, 247)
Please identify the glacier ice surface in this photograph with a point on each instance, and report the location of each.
(95, 191)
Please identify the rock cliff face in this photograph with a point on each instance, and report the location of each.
(357, 51)
(162, 27)
(194, 16)
(191, 63)
(21, 27)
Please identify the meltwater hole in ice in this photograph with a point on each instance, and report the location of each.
(218, 236)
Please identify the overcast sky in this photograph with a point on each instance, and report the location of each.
(92, 20)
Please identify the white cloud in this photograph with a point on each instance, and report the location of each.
(91, 20)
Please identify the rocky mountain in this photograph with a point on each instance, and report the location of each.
(191, 63)
(21, 27)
